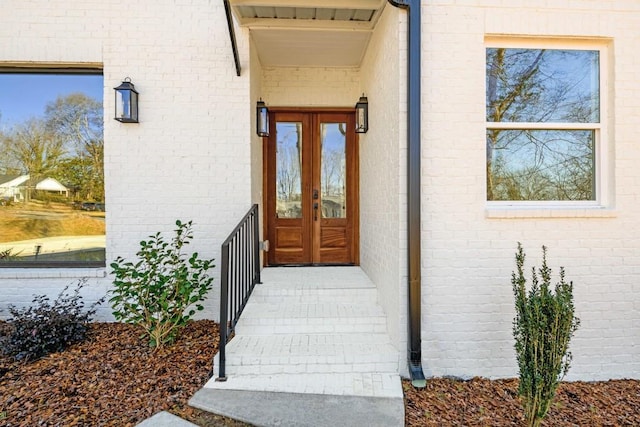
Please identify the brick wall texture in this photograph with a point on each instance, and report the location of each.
(468, 250)
(189, 157)
(194, 155)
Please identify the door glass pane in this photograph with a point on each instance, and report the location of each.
(288, 169)
(333, 171)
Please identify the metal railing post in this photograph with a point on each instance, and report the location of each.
(256, 244)
(224, 316)
(239, 275)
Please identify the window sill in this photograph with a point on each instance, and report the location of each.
(512, 212)
(52, 273)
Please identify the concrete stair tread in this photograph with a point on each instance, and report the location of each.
(297, 291)
(379, 384)
(266, 319)
(305, 367)
(326, 310)
(310, 285)
(308, 356)
(326, 277)
(276, 327)
(291, 342)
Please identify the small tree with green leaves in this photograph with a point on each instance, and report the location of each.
(544, 324)
(157, 291)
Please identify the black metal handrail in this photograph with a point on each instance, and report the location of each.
(240, 273)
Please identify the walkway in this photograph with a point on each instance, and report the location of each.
(315, 334)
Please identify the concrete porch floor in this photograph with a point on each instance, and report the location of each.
(310, 339)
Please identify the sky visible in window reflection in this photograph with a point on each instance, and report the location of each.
(23, 96)
(538, 85)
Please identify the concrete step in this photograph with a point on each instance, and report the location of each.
(303, 318)
(309, 277)
(361, 325)
(347, 383)
(312, 330)
(332, 353)
(329, 310)
(305, 368)
(268, 293)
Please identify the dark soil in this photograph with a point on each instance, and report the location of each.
(115, 379)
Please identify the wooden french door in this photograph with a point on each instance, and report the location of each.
(311, 188)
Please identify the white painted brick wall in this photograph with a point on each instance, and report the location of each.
(256, 141)
(189, 157)
(469, 251)
(382, 173)
(311, 87)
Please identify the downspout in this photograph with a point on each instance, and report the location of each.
(414, 355)
(232, 36)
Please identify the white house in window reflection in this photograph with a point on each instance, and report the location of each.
(15, 188)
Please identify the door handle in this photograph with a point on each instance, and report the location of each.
(315, 211)
(315, 194)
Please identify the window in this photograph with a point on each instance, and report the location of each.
(544, 137)
(52, 206)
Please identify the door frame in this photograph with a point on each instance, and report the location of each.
(355, 241)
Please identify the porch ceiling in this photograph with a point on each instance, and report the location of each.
(307, 33)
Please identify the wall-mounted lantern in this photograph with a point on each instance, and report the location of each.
(262, 119)
(126, 102)
(362, 115)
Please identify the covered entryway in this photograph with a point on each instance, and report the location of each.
(328, 197)
(311, 187)
(309, 63)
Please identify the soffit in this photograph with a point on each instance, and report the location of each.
(309, 33)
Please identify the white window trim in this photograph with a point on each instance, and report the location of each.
(602, 205)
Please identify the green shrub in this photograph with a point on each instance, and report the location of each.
(44, 327)
(544, 324)
(156, 292)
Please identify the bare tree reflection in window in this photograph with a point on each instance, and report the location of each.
(333, 169)
(288, 169)
(541, 86)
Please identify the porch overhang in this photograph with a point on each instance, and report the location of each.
(298, 33)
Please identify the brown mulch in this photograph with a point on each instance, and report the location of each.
(112, 379)
(115, 379)
(483, 402)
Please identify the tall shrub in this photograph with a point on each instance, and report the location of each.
(544, 324)
(157, 292)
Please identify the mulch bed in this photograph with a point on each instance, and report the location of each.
(112, 379)
(482, 402)
(115, 379)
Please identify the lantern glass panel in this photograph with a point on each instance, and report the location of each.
(362, 116)
(262, 119)
(126, 103)
(123, 104)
